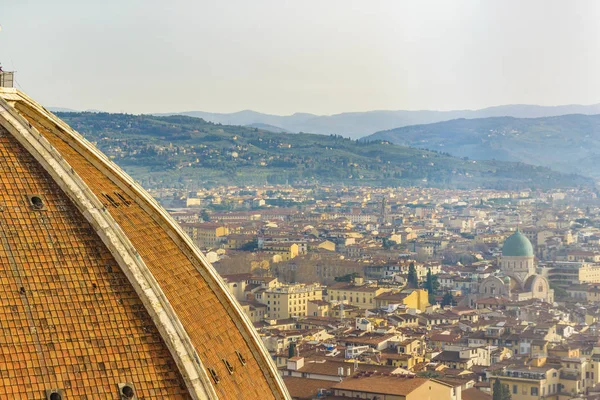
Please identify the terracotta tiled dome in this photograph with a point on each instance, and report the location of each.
(103, 295)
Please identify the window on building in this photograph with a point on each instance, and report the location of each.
(534, 391)
(515, 389)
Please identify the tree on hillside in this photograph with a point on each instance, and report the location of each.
(204, 215)
(412, 280)
(388, 244)
(347, 277)
(500, 391)
(250, 246)
(432, 285)
(448, 300)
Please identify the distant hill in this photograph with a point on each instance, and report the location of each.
(62, 109)
(268, 127)
(179, 150)
(359, 124)
(568, 143)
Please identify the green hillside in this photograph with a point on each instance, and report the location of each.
(176, 150)
(568, 143)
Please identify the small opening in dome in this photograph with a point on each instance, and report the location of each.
(241, 357)
(37, 202)
(123, 199)
(214, 375)
(127, 391)
(228, 366)
(55, 396)
(110, 200)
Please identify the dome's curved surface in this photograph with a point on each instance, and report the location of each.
(517, 245)
(101, 287)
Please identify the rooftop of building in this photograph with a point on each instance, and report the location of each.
(517, 245)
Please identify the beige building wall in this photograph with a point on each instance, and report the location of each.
(589, 273)
(317, 309)
(518, 267)
(432, 390)
(289, 301)
(525, 389)
(285, 251)
(205, 235)
(359, 296)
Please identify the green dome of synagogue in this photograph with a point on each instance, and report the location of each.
(517, 245)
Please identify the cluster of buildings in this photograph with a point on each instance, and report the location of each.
(329, 285)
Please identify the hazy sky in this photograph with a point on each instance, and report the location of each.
(323, 56)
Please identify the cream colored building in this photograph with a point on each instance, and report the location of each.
(415, 298)
(255, 311)
(289, 300)
(530, 382)
(395, 388)
(361, 296)
(318, 308)
(286, 251)
(206, 235)
(573, 272)
(589, 273)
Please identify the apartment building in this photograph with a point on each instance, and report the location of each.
(359, 295)
(206, 235)
(289, 300)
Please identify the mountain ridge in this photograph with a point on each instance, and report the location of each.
(568, 143)
(362, 123)
(358, 124)
(177, 150)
